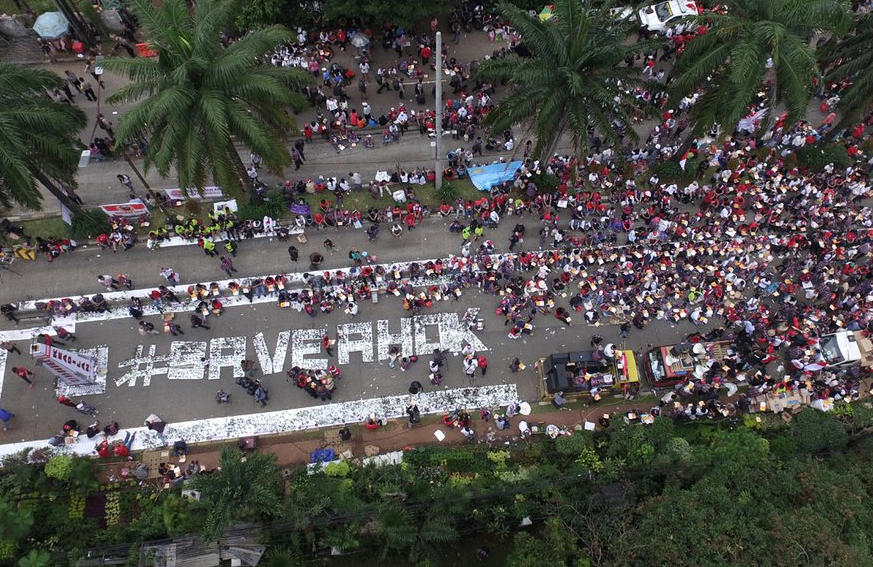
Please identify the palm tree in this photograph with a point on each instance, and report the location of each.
(249, 487)
(851, 59)
(38, 137)
(575, 78)
(197, 95)
(750, 42)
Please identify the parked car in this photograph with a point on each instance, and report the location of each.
(657, 17)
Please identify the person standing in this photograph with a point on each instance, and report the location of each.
(24, 374)
(5, 417)
(73, 80)
(197, 323)
(88, 89)
(127, 184)
(9, 347)
(105, 125)
(293, 253)
(482, 362)
(175, 329)
(261, 395)
(227, 265)
(326, 344)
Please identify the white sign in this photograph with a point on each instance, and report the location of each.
(72, 368)
(211, 192)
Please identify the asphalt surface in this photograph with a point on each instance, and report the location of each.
(39, 415)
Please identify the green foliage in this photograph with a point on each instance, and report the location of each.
(15, 523)
(447, 193)
(815, 431)
(573, 445)
(271, 206)
(36, 558)
(374, 12)
(575, 78)
(816, 157)
(255, 14)
(282, 556)
(670, 170)
(546, 182)
(89, 224)
(339, 469)
(551, 549)
(854, 55)
(197, 98)
(59, 467)
(732, 60)
(39, 137)
(249, 488)
(180, 516)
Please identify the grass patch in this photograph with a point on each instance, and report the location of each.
(38, 7)
(360, 200)
(51, 226)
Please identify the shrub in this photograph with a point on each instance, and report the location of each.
(59, 467)
(572, 445)
(89, 224)
(269, 206)
(447, 193)
(669, 171)
(337, 469)
(816, 157)
(546, 182)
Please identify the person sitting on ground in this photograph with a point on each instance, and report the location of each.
(180, 448)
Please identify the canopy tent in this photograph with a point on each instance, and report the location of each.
(486, 177)
(51, 25)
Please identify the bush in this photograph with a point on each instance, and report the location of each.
(256, 209)
(89, 224)
(59, 467)
(546, 182)
(447, 193)
(339, 469)
(572, 445)
(815, 431)
(669, 171)
(816, 157)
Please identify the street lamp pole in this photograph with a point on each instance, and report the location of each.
(438, 122)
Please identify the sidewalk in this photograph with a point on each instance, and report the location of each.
(295, 449)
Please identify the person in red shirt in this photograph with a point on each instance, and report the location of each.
(483, 364)
(122, 448)
(103, 449)
(372, 424)
(24, 374)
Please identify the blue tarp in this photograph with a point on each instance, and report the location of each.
(323, 455)
(484, 178)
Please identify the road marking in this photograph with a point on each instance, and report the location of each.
(298, 419)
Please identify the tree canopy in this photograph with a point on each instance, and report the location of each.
(198, 97)
(752, 47)
(575, 79)
(39, 137)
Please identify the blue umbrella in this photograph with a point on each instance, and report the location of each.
(51, 25)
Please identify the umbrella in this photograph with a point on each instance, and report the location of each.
(51, 25)
(546, 13)
(360, 40)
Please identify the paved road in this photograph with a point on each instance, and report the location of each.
(186, 397)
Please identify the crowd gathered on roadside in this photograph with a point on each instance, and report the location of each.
(749, 244)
